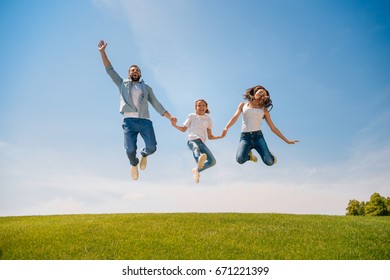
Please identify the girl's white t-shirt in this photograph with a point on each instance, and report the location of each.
(251, 118)
(197, 126)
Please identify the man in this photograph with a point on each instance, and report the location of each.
(134, 98)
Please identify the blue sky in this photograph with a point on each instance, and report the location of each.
(325, 63)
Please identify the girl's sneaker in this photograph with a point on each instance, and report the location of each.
(196, 175)
(202, 159)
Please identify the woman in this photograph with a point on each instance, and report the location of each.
(253, 111)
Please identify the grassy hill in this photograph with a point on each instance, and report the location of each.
(194, 236)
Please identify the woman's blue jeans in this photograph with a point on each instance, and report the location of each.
(198, 147)
(131, 128)
(253, 140)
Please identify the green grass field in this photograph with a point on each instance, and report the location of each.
(193, 236)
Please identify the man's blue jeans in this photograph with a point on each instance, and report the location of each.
(131, 128)
(253, 140)
(198, 147)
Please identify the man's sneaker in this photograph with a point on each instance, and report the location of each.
(275, 159)
(196, 175)
(134, 172)
(202, 159)
(252, 157)
(143, 163)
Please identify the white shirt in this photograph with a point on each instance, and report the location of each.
(198, 125)
(251, 118)
(136, 92)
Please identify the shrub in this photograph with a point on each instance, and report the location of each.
(376, 206)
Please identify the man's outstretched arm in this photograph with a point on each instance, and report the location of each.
(102, 48)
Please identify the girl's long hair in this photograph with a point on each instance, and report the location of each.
(250, 94)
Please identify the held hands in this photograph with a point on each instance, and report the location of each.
(173, 120)
(212, 137)
(224, 132)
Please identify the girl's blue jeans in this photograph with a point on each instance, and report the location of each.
(198, 147)
(253, 140)
(131, 128)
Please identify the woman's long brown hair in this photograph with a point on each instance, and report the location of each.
(250, 93)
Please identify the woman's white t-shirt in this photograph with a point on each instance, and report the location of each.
(251, 118)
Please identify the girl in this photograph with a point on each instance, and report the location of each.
(252, 137)
(199, 125)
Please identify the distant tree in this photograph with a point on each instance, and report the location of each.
(376, 206)
(387, 203)
(355, 208)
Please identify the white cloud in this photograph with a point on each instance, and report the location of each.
(58, 205)
(44, 181)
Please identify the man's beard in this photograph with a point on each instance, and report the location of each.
(135, 78)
